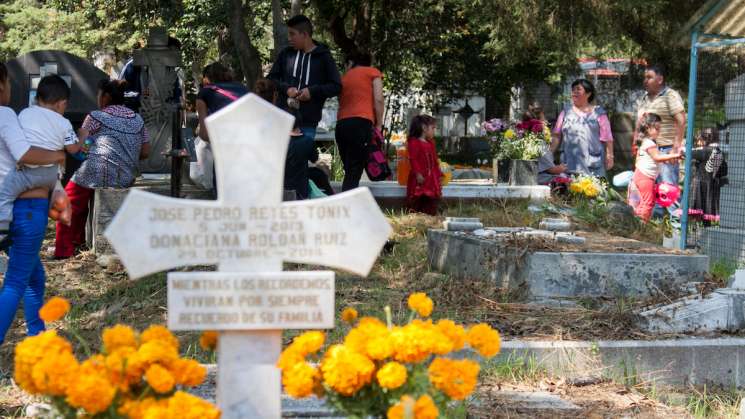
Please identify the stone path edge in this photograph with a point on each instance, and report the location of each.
(675, 362)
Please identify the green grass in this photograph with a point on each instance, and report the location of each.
(516, 368)
(722, 269)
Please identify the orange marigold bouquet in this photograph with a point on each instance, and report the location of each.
(136, 375)
(386, 370)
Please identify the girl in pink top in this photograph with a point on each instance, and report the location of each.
(646, 167)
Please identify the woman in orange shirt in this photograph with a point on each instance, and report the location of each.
(360, 111)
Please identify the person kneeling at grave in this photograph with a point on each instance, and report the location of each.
(119, 142)
(300, 151)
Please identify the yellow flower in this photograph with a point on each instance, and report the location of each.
(309, 342)
(457, 379)
(117, 337)
(509, 134)
(54, 309)
(418, 340)
(484, 339)
(392, 375)
(135, 408)
(161, 333)
(33, 350)
(157, 351)
(54, 372)
(425, 408)
(182, 406)
(406, 408)
(455, 332)
(160, 379)
(349, 315)
(300, 380)
(420, 303)
(116, 363)
(188, 372)
(90, 389)
(208, 340)
(345, 370)
(371, 338)
(289, 357)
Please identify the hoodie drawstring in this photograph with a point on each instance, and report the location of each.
(302, 64)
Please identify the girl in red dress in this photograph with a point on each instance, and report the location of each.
(423, 190)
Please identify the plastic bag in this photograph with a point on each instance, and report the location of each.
(623, 179)
(315, 191)
(201, 172)
(60, 208)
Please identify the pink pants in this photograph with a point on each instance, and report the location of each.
(645, 186)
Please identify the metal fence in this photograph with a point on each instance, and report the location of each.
(715, 223)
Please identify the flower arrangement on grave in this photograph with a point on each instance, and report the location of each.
(386, 370)
(588, 187)
(527, 140)
(135, 375)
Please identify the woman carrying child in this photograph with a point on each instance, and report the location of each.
(25, 277)
(423, 190)
(646, 166)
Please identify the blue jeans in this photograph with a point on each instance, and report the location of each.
(669, 173)
(309, 132)
(25, 275)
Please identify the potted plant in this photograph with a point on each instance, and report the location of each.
(517, 149)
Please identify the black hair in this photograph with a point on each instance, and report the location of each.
(301, 23)
(658, 69)
(710, 135)
(535, 111)
(266, 89)
(587, 85)
(3, 72)
(217, 73)
(52, 89)
(114, 88)
(416, 128)
(649, 120)
(361, 58)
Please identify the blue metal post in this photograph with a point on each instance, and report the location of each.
(690, 122)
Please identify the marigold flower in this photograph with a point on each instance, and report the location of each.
(117, 337)
(455, 332)
(349, 315)
(425, 408)
(90, 389)
(116, 363)
(300, 380)
(403, 409)
(33, 350)
(160, 379)
(455, 378)
(136, 408)
(208, 340)
(345, 370)
(420, 303)
(183, 406)
(289, 357)
(371, 338)
(161, 333)
(392, 375)
(54, 372)
(188, 372)
(484, 339)
(54, 309)
(418, 340)
(157, 351)
(309, 342)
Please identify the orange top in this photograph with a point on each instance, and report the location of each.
(356, 99)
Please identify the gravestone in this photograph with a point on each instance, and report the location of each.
(158, 106)
(248, 232)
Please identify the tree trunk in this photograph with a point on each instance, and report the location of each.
(248, 55)
(296, 7)
(279, 28)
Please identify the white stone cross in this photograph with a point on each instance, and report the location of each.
(249, 232)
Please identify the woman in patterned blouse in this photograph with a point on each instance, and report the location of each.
(119, 142)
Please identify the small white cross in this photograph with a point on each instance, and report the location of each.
(249, 230)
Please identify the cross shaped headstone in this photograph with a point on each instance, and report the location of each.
(249, 232)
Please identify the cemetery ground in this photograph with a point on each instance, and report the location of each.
(102, 295)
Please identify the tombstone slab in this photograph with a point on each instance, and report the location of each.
(248, 232)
